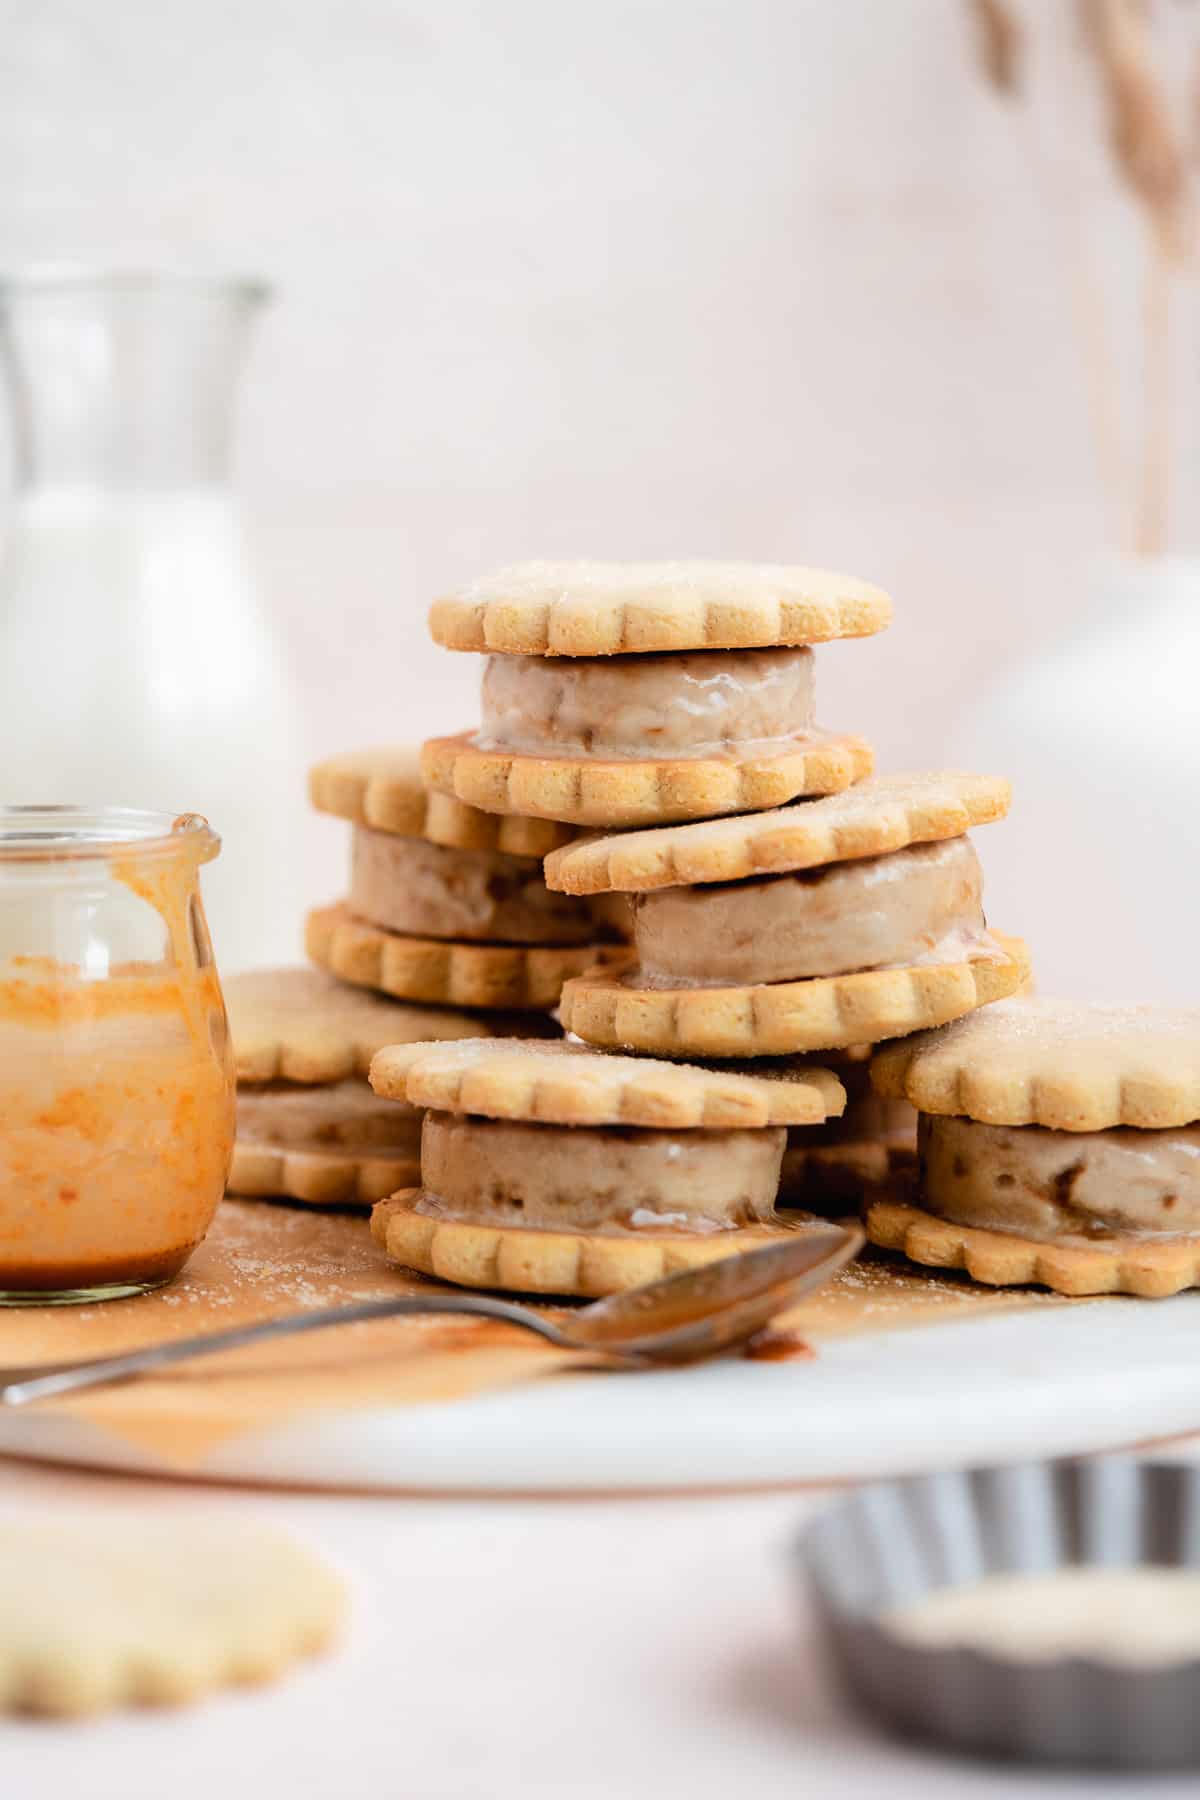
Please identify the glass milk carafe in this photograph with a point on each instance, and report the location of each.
(136, 666)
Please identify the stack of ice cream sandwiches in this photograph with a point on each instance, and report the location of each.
(787, 911)
(780, 993)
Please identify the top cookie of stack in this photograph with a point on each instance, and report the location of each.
(642, 693)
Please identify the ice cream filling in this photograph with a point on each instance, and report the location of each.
(1061, 1186)
(430, 890)
(702, 703)
(867, 1116)
(917, 905)
(573, 1178)
(344, 1116)
(833, 1163)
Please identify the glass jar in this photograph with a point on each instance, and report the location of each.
(116, 1072)
(138, 662)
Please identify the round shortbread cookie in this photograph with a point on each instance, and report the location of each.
(1060, 1064)
(1119, 1265)
(570, 1084)
(603, 609)
(787, 1017)
(505, 976)
(301, 1025)
(581, 790)
(317, 1177)
(886, 813)
(519, 1260)
(383, 788)
(130, 1609)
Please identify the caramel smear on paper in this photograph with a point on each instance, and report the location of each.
(261, 1261)
(884, 1293)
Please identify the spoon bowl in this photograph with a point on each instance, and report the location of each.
(705, 1311)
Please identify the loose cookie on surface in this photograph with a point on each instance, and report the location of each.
(440, 971)
(605, 609)
(383, 788)
(787, 1017)
(569, 1084)
(886, 813)
(132, 1610)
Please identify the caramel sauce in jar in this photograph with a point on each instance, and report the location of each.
(116, 1073)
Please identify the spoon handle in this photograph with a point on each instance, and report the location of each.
(20, 1387)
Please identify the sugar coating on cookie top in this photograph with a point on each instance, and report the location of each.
(571, 1084)
(1065, 1065)
(883, 813)
(302, 1025)
(605, 609)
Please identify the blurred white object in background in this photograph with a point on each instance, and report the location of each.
(1098, 865)
(136, 665)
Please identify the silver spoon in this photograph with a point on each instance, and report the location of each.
(684, 1318)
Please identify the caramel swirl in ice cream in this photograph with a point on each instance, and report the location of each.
(1061, 1186)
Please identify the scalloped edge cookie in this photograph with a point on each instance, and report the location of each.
(629, 791)
(383, 788)
(786, 1017)
(317, 1177)
(507, 977)
(1121, 1265)
(609, 609)
(1066, 1066)
(518, 1259)
(883, 814)
(569, 1084)
(298, 1024)
(149, 1610)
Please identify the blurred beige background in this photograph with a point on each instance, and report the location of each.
(769, 279)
